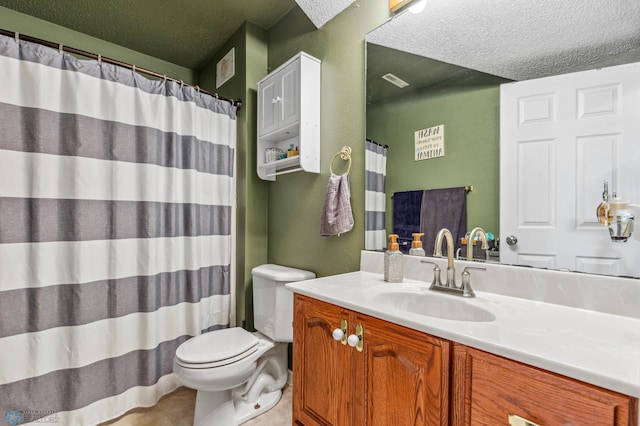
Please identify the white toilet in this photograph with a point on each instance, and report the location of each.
(238, 374)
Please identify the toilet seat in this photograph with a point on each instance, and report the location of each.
(217, 348)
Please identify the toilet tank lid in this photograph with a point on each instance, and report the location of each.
(281, 273)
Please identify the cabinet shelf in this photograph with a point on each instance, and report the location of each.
(280, 167)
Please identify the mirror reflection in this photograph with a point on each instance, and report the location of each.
(464, 100)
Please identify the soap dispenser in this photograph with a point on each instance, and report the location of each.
(620, 219)
(393, 262)
(416, 245)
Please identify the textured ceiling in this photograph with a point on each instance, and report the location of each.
(186, 33)
(322, 11)
(420, 72)
(519, 39)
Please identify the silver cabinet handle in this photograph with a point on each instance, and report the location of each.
(515, 420)
(512, 240)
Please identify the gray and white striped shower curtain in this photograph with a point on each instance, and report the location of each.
(375, 196)
(116, 218)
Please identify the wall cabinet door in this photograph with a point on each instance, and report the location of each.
(269, 93)
(280, 99)
(488, 389)
(399, 378)
(289, 105)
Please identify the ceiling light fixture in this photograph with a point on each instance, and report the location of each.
(417, 6)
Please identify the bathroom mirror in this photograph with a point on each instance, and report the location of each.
(454, 56)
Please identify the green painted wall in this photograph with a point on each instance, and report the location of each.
(15, 21)
(295, 200)
(471, 118)
(250, 47)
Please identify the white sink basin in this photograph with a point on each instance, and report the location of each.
(428, 303)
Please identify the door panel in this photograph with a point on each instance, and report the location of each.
(561, 138)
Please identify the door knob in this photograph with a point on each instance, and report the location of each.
(512, 240)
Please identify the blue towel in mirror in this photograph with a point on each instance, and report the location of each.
(406, 216)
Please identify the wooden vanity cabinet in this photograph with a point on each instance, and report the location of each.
(487, 389)
(399, 378)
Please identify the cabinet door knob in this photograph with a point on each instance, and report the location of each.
(340, 334)
(276, 100)
(515, 420)
(357, 340)
(353, 340)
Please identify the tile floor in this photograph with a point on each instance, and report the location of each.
(176, 409)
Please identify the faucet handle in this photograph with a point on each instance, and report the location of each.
(436, 274)
(467, 291)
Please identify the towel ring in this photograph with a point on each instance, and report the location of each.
(345, 154)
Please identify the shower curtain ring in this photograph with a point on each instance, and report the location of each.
(61, 48)
(17, 37)
(133, 69)
(99, 59)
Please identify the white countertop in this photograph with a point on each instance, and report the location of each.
(595, 347)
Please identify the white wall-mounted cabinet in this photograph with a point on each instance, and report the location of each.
(289, 115)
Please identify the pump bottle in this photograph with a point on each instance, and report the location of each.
(393, 262)
(416, 245)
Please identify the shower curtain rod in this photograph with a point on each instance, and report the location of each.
(378, 143)
(17, 35)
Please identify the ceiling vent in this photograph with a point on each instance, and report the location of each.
(395, 80)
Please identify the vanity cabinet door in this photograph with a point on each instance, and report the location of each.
(322, 366)
(401, 376)
(487, 389)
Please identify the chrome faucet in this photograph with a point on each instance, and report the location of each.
(471, 238)
(437, 252)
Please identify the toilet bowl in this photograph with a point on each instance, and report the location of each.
(239, 375)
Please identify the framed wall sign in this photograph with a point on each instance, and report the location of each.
(225, 68)
(429, 143)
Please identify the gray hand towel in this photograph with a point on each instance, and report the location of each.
(337, 217)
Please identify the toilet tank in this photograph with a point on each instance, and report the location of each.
(273, 302)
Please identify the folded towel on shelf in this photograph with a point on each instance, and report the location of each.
(337, 217)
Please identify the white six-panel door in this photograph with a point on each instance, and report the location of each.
(560, 138)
